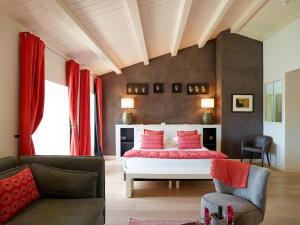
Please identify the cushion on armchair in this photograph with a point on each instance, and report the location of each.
(245, 213)
(58, 183)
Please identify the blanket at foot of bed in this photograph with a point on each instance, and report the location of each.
(180, 154)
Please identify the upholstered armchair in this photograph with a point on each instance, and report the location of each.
(248, 204)
(256, 144)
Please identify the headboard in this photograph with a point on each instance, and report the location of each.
(170, 130)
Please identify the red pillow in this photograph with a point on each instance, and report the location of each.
(153, 132)
(16, 192)
(186, 133)
(152, 142)
(189, 142)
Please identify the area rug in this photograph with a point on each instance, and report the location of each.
(133, 221)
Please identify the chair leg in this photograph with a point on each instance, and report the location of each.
(251, 156)
(242, 156)
(262, 159)
(268, 158)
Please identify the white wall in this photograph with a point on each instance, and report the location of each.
(9, 82)
(281, 55)
(9, 85)
(292, 120)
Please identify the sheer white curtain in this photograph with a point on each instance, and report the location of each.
(53, 135)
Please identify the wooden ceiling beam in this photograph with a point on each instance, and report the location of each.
(67, 17)
(214, 22)
(137, 25)
(182, 18)
(249, 13)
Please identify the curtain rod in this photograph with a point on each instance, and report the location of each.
(63, 57)
(56, 53)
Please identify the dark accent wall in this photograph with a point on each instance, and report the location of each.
(239, 70)
(190, 65)
(231, 64)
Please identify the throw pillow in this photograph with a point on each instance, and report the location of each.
(152, 142)
(186, 133)
(189, 142)
(16, 192)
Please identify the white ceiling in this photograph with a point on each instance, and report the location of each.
(108, 35)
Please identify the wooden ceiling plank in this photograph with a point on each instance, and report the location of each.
(214, 21)
(251, 11)
(138, 29)
(67, 17)
(182, 18)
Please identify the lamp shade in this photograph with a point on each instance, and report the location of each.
(127, 103)
(207, 103)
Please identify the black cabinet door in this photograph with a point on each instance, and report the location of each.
(127, 139)
(209, 138)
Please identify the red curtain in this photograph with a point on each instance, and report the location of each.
(72, 71)
(98, 89)
(32, 89)
(84, 114)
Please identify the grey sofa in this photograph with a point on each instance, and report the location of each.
(249, 203)
(87, 207)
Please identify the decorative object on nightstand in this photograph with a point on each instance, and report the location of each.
(127, 103)
(208, 104)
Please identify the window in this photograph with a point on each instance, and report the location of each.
(53, 134)
(273, 102)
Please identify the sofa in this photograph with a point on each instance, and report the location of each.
(72, 190)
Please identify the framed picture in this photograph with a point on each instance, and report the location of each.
(158, 88)
(137, 89)
(197, 88)
(242, 103)
(176, 88)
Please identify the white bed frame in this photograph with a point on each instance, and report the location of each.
(184, 175)
(170, 131)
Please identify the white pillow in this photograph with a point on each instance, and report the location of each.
(175, 141)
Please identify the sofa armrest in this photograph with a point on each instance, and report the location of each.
(90, 164)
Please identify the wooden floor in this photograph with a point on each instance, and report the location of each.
(153, 199)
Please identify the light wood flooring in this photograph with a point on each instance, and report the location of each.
(153, 199)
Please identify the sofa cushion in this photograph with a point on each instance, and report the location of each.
(16, 192)
(245, 213)
(62, 212)
(57, 183)
(81, 163)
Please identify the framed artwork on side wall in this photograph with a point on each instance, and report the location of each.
(242, 103)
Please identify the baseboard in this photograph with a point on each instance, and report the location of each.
(292, 170)
(109, 157)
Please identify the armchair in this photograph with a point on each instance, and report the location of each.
(256, 144)
(249, 204)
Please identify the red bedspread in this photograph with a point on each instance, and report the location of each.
(177, 154)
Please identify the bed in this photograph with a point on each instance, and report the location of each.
(168, 168)
(168, 164)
